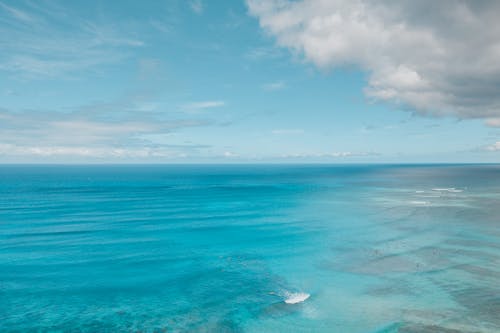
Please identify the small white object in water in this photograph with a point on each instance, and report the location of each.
(294, 298)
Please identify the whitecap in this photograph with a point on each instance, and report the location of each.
(448, 189)
(294, 298)
(415, 202)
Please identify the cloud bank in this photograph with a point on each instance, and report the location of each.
(493, 147)
(437, 58)
(92, 134)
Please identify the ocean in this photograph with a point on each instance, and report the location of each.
(250, 248)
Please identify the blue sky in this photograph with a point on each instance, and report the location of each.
(237, 82)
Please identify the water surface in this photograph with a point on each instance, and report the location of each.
(250, 248)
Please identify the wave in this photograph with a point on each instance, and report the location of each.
(447, 189)
(294, 298)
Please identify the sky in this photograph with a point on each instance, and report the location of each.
(256, 81)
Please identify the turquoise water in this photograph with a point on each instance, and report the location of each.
(229, 248)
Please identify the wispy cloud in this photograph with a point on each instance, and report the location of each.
(262, 53)
(339, 154)
(85, 151)
(17, 13)
(101, 152)
(161, 26)
(229, 154)
(196, 6)
(34, 45)
(111, 130)
(203, 105)
(493, 122)
(493, 147)
(274, 86)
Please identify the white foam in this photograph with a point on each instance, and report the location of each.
(415, 202)
(449, 189)
(294, 298)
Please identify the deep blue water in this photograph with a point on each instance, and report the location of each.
(224, 248)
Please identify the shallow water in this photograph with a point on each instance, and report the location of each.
(222, 248)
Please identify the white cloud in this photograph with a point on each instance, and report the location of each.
(47, 129)
(435, 57)
(204, 105)
(261, 53)
(84, 151)
(196, 6)
(493, 147)
(493, 122)
(273, 86)
(338, 154)
(230, 154)
(91, 133)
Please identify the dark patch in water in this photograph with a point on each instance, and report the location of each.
(420, 328)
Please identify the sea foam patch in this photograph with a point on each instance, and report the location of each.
(294, 298)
